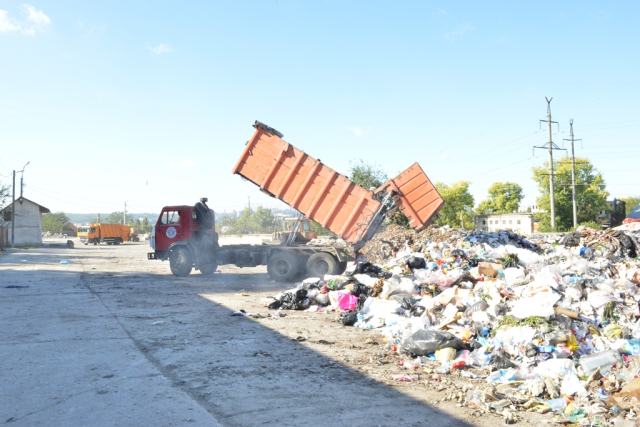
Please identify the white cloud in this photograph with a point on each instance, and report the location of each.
(161, 48)
(452, 35)
(359, 131)
(34, 21)
(183, 164)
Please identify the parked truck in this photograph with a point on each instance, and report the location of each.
(186, 236)
(111, 234)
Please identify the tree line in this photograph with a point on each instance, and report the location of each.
(459, 210)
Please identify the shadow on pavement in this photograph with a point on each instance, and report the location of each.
(242, 370)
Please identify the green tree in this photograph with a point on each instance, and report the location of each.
(132, 223)
(369, 176)
(137, 224)
(504, 197)
(366, 175)
(114, 218)
(5, 192)
(630, 203)
(145, 227)
(458, 202)
(320, 229)
(54, 222)
(590, 197)
(262, 220)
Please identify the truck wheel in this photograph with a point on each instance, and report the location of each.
(322, 263)
(282, 267)
(117, 241)
(208, 269)
(342, 267)
(180, 262)
(96, 241)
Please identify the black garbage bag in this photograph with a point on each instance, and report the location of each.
(572, 239)
(427, 341)
(498, 362)
(501, 309)
(360, 289)
(475, 344)
(417, 311)
(291, 300)
(405, 300)
(414, 262)
(371, 270)
(349, 318)
(361, 300)
(459, 253)
(473, 262)
(589, 254)
(479, 306)
(531, 350)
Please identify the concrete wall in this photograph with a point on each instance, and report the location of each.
(242, 239)
(28, 228)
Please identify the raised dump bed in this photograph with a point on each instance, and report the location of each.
(329, 198)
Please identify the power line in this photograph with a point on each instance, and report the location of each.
(551, 146)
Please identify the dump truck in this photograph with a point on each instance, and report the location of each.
(185, 235)
(111, 234)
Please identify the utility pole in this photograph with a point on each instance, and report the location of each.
(22, 179)
(573, 176)
(551, 147)
(13, 210)
(124, 215)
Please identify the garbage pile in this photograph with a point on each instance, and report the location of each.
(544, 324)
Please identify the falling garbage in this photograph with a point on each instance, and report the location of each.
(550, 323)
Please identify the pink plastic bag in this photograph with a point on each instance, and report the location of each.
(347, 301)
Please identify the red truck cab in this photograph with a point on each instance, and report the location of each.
(178, 231)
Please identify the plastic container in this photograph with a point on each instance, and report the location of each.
(603, 360)
(557, 405)
(631, 347)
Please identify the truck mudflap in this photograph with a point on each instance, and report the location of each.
(415, 195)
(151, 255)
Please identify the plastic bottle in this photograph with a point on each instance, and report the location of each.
(603, 360)
(631, 347)
(557, 405)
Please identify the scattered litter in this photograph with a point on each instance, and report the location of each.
(15, 287)
(64, 262)
(550, 323)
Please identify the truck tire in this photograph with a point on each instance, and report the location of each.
(96, 241)
(322, 263)
(180, 262)
(117, 241)
(283, 267)
(204, 216)
(342, 267)
(208, 269)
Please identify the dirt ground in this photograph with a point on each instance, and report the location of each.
(114, 339)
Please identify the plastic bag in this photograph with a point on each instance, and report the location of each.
(427, 341)
(513, 276)
(534, 306)
(416, 262)
(405, 300)
(347, 301)
(348, 319)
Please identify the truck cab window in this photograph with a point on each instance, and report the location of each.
(174, 217)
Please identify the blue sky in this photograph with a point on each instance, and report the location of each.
(152, 102)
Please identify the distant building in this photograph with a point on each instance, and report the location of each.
(521, 223)
(28, 222)
(536, 209)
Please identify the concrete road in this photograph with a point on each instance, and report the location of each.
(113, 339)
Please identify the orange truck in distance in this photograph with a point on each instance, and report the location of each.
(111, 234)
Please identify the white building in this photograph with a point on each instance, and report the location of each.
(520, 223)
(28, 222)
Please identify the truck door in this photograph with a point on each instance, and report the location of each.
(168, 230)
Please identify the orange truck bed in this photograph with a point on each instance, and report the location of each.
(322, 194)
